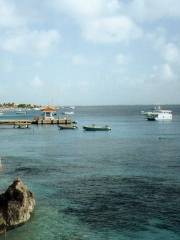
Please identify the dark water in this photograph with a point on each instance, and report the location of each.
(123, 184)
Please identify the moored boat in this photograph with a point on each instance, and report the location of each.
(93, 127)
(36, 109)
(22, 125)
(67, 126)
(158, 114)
(68, 113)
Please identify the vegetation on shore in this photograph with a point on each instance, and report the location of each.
(20, 105)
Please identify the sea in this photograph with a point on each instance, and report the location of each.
(117, 185)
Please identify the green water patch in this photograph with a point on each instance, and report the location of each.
(47, 223)
(124, 204)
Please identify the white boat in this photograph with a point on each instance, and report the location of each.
(69, 107)
(22, 125)
(68, 113)
(158, 114)
(67, 126)
(21, 112)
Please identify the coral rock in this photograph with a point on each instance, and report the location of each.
(16, 206)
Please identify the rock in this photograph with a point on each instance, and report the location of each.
(16, 206)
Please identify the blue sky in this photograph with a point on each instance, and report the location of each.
(90, 52)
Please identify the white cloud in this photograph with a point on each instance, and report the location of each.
(121, 59)
(36, 82)
(111, 29)
(18, 35)
(171, 53)
(80, 8)
(149, 10)
(8, 15)
(32, 42)
(100, 20)
(168, 57)
(87, 9)
(163, 73)
(113, 20)
(167, 72)
(78, 59)
(152, 10)
(7, 65)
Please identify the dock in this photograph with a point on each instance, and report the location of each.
(47, 118)
(14, 121)
(38, 121)
(53, 121)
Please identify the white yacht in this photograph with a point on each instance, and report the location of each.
(158, 114)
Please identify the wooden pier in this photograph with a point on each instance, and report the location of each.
(14, 121)
(53, 121)
(47, 118)
(35, 121)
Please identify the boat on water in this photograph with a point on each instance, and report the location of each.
(67, 126)
(158, 114)
(68, 113)
(68, 107)
(22, 125)
(36, 109)
(93, 127)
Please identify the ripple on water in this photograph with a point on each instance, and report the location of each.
(127, 204)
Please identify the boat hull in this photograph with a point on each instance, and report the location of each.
(67, 127)
(159, 117)
(68, 113)
(94, 128)
(151, 119)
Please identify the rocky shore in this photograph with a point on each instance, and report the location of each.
(16, 205)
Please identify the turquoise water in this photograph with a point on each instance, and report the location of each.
(123, 184)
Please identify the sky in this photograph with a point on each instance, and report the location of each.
(90, 52)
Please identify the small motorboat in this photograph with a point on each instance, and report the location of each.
(68, 113)
(93, 127)
(36, 109)
(22, 125)
(67, 126)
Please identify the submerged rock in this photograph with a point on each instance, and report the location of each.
(16, 205)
